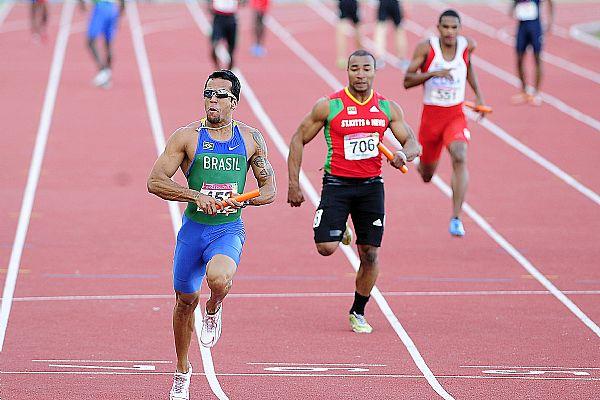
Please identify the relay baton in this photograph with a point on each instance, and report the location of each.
(478, 108)
(390, 156)
(240, 198)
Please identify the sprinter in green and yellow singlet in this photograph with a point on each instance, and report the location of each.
(215, 154)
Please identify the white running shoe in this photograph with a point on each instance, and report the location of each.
(181, 385)
(359, 323)
(211, 328)
(103, 77)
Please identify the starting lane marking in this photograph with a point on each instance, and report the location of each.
(134, 367)
(532, 372)
(322, 364)
(108, 361)
(524, 371)
(295, 368)
(137, 365)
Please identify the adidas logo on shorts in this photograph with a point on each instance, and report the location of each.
(377, 222)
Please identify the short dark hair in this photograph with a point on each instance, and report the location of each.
(361, 53)
(448, 13)
(227, 75)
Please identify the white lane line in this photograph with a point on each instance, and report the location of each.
(5, 10)
(581, 33)
(312, 194)
(310, 294)
(506, 39)
(35, 166)
(107, 361)
(483, 224)
(304, 375)
(159, 140)
(521, 367)
(493, 128)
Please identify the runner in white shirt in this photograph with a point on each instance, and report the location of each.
(442, 64)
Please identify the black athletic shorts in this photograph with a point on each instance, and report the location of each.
(349, 10)
(224, 27)
(389, 9)
(363, 199)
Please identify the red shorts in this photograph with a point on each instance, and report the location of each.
(260, 5)
(441, 126)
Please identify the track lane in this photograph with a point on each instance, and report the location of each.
(99, 233)
(22, 81)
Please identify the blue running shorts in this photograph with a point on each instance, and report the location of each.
(104, 19)
(197, 244)
(530, 33)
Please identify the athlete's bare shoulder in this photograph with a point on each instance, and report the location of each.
(253, 138)
(396, 111)
(184, 138)
(320, 110)
(471, 44)
(423, 46)
(245, 129)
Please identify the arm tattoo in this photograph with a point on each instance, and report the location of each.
(264, 170)
(261, 146)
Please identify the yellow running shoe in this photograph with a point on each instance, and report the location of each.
(347, 236)
(359, 324)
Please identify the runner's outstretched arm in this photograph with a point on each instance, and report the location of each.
(308, 129)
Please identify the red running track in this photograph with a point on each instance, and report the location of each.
(481, 323)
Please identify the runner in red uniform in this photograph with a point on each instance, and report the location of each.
(260, 8)
(354, 121)
(38, 16)
(445, 68)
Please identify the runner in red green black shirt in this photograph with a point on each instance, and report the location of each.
(354, 121)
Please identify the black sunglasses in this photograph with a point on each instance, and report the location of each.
(220, 93)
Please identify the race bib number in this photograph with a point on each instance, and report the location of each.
(219, 191)
(526, 11)
(360, 146)
(444, 94)
(225, 6)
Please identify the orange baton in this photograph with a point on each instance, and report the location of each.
(390, 156)
(481, 108)
(240, 198)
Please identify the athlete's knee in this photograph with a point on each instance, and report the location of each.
(458, 152)
(327, 249)
(368, 255)
(426, 173)
(219, 281)
(185, 304)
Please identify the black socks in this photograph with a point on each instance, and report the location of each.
(359, 304)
